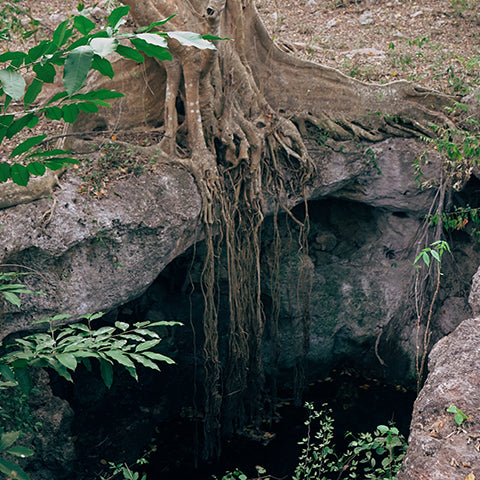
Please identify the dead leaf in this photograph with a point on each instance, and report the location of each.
(470, 476)
(454, 463)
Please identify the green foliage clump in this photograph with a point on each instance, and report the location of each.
(63, 348)
(376, 456)
(77, 47)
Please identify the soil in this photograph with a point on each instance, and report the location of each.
(435, 43)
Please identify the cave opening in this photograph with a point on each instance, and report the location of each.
(162, 413)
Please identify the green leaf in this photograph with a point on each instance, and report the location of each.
(19, 174)
(103, 66)
(214, 37)
(59, 368)
(67, 359)
(159, 357)
(153, 39)
(70, 112)
(32, 122)
(32, 92)
(87, 363)
(103, 330)
(147, 345)
(7, 373)
(27, 144)
(57, 96)
(426, 259)
(122, 326)
(7, 439)
(459, 418)
(4, 172)
(37, 51)
(164, 323)
(53, 113)
(14, 57)
(13, 83)
(11, 297)
(146, 362)
(132, 336)
(435, 255)
(36, 168)
(117, 15)
(62, 34)
(87, 107)
(150, 50)
(153, 25)
(83, 24)
(79, 43)
(120, 358)
(106, 371)
(132, 371)
(148, 333)
(103, 46)
(77, 65)
(57, 163)
(191, 39)
(19, 124)
(452, 409)
(22, 452)
(130, 54)
(6, 120)
(12, 470)
(46, 73)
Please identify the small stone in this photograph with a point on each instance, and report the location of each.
(331, 23)
(416, 14)
(366, 18)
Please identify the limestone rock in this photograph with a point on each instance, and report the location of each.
(438, 448)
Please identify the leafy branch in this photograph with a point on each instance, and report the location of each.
(78, 47)
(63, 348)
(434, 252)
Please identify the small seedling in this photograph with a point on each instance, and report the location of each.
(459, 416)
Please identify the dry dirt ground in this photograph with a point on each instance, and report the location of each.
(435, 43)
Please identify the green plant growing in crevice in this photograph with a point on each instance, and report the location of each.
(432, 258)
(459, 219)
(11, 291)
(458, 415)
(124, 471)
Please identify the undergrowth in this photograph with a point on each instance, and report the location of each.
(369, 456)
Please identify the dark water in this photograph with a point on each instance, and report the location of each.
(358, 405)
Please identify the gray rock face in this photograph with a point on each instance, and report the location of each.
(439, 449)
(96, 255)
(365, 209)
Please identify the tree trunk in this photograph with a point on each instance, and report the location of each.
(246, 110)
